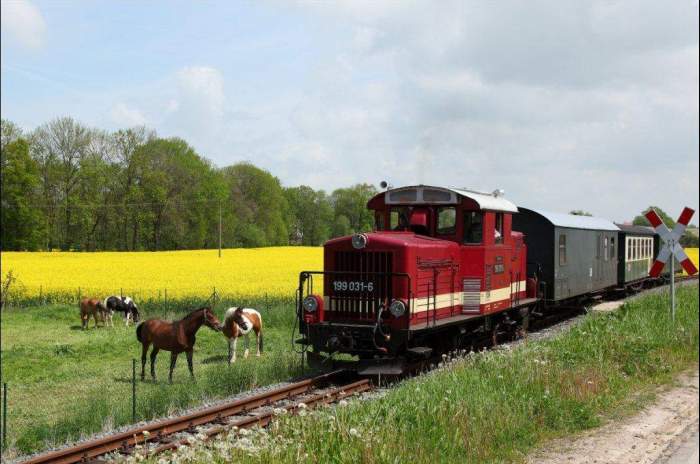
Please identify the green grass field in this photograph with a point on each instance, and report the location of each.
(65, 382)
(496, 406)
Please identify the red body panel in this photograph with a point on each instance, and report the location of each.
(447, 277)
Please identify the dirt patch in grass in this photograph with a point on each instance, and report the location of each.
(642, 438)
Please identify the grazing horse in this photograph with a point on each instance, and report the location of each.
(176, 337)
(123, 305)
(239, 322)
(91, 307)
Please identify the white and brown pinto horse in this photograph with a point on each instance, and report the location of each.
(122, 304)
(238, 322)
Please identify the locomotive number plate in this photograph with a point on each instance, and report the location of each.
(352, 286)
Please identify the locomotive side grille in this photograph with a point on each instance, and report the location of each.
(350, 295)
(471, 295)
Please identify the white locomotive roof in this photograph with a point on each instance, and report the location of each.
(574, 221)
(488, 200)
(414, 194)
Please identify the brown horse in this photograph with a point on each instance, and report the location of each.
(91, 307)
(176, 337)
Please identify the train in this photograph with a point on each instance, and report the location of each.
(451, 268)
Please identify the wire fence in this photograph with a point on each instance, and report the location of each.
(153, 300)
(118, 397)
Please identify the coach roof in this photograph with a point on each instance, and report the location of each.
(635, 230)
(573, 221)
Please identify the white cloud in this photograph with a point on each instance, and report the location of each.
(202, 88)
(196, 112)
(124, 115)
(23, 21)
(565, 104)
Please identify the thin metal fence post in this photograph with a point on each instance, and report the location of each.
(219, 228)
(133, 390)
(4, 416)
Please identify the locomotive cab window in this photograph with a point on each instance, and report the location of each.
(398, 218)
(446, 220)
(379, 220)
(498, 233)
(562, 250)
(473, 223)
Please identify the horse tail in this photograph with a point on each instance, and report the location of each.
(139, 329)
(261, 342)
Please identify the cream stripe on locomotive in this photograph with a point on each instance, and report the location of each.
(469, 299)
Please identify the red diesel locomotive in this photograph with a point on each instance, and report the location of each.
(442, 270)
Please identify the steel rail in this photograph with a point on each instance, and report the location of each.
(266, 417)
(157, 431)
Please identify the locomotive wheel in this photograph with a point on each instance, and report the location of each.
(497, 334)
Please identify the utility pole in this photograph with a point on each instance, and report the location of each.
(219, 228)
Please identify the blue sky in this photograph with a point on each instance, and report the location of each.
(564, 104)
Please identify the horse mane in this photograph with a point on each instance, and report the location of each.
(191, 314)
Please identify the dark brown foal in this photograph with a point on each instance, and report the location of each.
(176, 337)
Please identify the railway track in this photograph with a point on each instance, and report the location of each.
(164, 435)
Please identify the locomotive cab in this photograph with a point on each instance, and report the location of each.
(438, 261)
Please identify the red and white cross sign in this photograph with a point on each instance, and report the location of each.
(670, 239)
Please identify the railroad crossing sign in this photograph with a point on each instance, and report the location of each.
(672, 246)
(671, 242)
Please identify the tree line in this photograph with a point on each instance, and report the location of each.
(71, 187)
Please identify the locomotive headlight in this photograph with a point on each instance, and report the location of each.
(359, 241)
(310, 304)
(397, 308)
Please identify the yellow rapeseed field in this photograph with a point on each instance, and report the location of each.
(693, 255)
(242, 272)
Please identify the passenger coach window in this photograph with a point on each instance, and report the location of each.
(562, 250)
(472, 226)
(612, 247)
(447, 218)
(499, 228)
(605, 248)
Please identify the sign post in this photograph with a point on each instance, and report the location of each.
(672, 246)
